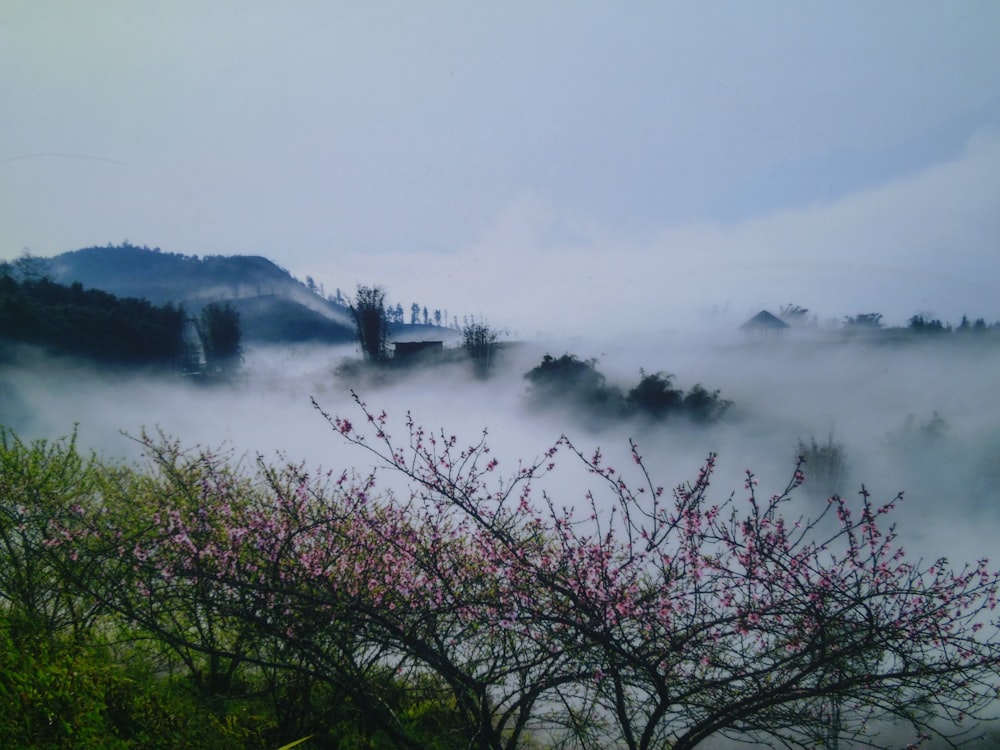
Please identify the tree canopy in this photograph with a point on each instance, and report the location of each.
(90, 323)
(471, 607)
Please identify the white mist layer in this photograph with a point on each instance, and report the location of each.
(922, 419)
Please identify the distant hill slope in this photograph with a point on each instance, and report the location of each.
(273, 305)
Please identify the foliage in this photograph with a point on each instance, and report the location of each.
(793, 314)
(371, 323)
(50, 695)
(655, 395)
(826, 464)
(62, 685)
(57, 694)
(667, 621)
(466, 609)
(919, 324)
(481, 344)
(41, 483)
(26, 268)
(90, 323)
(221, 335)
(571, 382)
(702, 405)
(864, 321)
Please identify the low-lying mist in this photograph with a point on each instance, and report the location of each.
(918, 417)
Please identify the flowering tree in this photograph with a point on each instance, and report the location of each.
(39, 483)
(692, 620)
(268, 577)
(635, 617)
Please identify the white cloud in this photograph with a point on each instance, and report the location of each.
(927, 243)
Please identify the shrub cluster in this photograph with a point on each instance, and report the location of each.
(571, 382)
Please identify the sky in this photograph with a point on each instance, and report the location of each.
(556, 168)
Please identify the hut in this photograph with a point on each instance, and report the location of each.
(764, 323)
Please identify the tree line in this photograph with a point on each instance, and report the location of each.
(796, 315)
(395, 314)
(194, 600)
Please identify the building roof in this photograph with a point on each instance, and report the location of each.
(764, 321)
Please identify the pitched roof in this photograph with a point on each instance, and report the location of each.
(764, 321)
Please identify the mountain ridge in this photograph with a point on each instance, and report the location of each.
(274, 306)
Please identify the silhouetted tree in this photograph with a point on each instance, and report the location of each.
(481, 343)
(703, 405)
(569, 381)
(655, 395)
(572, 382)
(371, 322)
(221, 336)
(793, 314)
(919, 324)
(29, 268)
(825, 466)
(864, 320)
(414, 313)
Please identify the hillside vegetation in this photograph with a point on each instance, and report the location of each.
(90, 323)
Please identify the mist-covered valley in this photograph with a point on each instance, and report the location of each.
(920, 417)
(910, 413)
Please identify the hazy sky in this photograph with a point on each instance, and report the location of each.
(552, 166)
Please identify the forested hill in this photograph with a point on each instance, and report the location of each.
(273, 305)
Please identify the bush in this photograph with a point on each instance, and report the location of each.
(825, 466)
(568, 381)
(481, 344)
(655, 396)
(571, 382)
